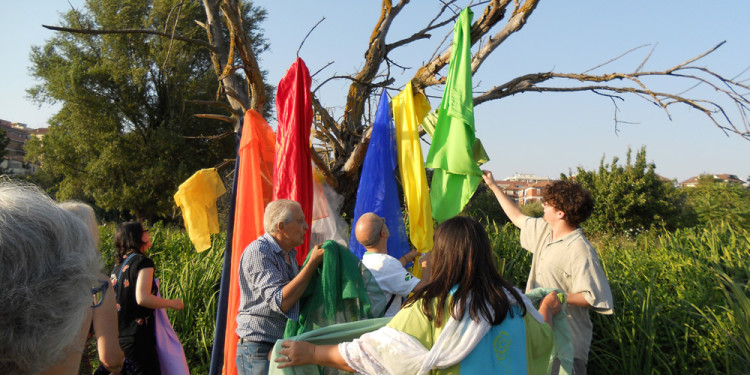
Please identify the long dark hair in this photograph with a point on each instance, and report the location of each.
(128, 237)
(462, 256)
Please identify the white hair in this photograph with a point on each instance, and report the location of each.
(278, 211)
(84, 212)
(48, 265)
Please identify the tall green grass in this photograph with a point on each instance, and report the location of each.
(672, 300)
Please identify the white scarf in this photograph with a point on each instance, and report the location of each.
(390, 351)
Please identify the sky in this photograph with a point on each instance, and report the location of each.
(538, 133)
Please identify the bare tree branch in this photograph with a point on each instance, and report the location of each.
(216, 104)
(308, 34)
(215, 117)
(710, 108)
(130, 31)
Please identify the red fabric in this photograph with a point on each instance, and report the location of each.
(254, 191)
(292, 172)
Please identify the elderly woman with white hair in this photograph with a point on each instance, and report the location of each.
(48, 269)
(104, 325)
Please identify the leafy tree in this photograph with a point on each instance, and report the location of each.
(483, 206)
(713, 201)
(126, 136)
(630, 198)
(533, 209)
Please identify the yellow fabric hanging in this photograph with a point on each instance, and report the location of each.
(408, 111)
(197, 199)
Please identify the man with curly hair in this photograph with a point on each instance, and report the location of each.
(563, 257)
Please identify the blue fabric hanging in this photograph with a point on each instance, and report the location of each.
(377, 191)
(217, 352)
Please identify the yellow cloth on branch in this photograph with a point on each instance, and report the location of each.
(408, 111)
(197, 199)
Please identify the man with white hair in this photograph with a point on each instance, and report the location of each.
(48, 273)
(271, 284)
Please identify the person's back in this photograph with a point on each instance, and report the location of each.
(392, 278)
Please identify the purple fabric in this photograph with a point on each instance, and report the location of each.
(168, 347)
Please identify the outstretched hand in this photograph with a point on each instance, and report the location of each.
(295, 353)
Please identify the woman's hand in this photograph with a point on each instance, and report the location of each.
(295, 353)
(176, 304)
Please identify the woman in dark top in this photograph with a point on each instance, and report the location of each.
(133, 278)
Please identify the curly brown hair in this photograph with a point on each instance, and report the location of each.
(571, 198)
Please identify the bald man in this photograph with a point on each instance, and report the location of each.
(394, 280)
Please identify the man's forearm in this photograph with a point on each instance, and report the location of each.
(577, 299)
(509, 207)
(292, 291)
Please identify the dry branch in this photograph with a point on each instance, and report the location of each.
(129, 31)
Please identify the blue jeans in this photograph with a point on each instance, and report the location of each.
(252, 358)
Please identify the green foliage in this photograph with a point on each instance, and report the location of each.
(630, 198)
(126, 137)
(513, 261)
(532, 209)
(483, 206)
(711, 202)
(671, 311)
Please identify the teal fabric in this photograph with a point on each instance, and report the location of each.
(330, 335)
(337, 293)
(505, 344)
(561, 330)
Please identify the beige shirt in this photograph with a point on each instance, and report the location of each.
(572, 265)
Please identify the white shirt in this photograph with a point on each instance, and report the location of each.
(391, 276)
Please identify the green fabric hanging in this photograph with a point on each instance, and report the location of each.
(456, 174)
(337, 293)
(479, 154)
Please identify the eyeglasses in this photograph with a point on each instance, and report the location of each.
(98, 293)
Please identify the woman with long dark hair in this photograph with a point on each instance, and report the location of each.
(133, 279)
(466, 319)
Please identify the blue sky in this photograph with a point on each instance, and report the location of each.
(545, 134)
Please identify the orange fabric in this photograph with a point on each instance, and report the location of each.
(254, 191)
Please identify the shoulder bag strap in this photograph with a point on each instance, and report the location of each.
(119, 276)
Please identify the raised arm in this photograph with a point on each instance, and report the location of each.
(509, 207)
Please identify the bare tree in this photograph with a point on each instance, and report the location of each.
(341, 145)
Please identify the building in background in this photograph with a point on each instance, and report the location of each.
(524, 188)
(722, 177)
(13, 161)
